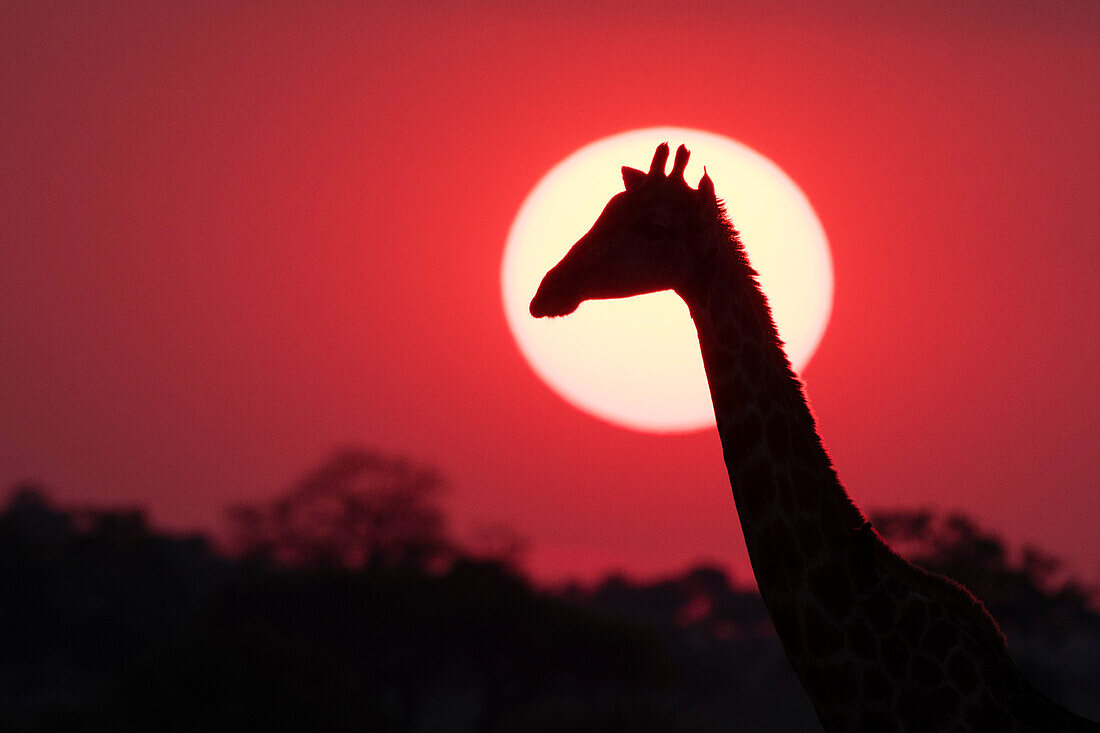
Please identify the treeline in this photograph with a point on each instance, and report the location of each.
(347, 604)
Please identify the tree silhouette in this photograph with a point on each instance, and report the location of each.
(357, 511)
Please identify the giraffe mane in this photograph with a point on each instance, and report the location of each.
(734, 236)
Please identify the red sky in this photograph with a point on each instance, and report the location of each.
(235, 238)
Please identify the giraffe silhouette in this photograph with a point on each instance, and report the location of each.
(878, 643)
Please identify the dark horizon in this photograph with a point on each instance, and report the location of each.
(506, 538)
(114, 625)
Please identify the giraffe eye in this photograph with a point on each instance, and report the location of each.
(649, 229)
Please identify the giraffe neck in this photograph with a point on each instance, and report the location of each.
(797, 519)
(877, 643)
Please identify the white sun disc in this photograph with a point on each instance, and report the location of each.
(635, 362)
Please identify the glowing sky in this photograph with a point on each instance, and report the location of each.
(236, 237)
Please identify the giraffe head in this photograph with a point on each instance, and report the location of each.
(641, 243)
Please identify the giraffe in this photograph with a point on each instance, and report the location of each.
(878, 643)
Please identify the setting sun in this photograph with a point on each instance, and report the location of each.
(635, 362)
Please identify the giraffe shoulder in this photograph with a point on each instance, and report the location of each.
(963, 605)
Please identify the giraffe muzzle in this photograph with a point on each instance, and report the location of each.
(550, 300)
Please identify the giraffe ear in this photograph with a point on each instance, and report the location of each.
(706, 189)
(632, 177)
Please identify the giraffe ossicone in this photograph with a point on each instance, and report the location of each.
(878, 644)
